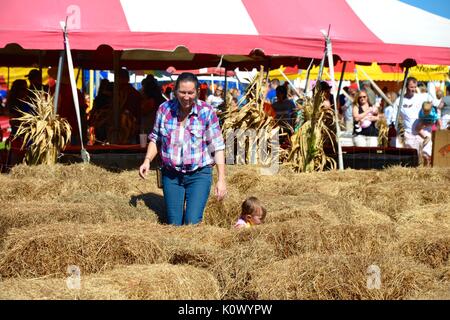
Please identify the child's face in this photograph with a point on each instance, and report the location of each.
(257, 217)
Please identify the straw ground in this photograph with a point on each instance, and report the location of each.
(323, 231)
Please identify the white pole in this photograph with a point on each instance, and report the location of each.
(333, 91)
(343, 91)
(356, 79)
(376, 87)
(84, 154)
(290, 83)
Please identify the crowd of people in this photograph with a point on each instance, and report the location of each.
(422, 111)
(184, 130)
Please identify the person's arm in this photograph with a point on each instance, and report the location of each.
(220, 189)
(359, 116)
(152, 150)
(376, 115)
(419, 129)
(215, 144)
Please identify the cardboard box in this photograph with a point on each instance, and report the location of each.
(441, 148)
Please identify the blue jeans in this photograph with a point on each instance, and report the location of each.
(186, 194)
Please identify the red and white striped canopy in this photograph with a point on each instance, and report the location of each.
(387, 31)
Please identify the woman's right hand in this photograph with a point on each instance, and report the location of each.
(144, 169)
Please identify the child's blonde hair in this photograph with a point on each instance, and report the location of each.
(250, 205)
(427, 106)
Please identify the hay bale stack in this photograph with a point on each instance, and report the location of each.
(48, 249)
(296, 237)
(245, 179)
(233, 268)
(99, 208)
(438, 214)
(200, 246)
(317, 276)
(426, 243)
(141, 282)
(224, 213)
(164, 281)
(62, 181)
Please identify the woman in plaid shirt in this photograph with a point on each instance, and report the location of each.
(190, 140)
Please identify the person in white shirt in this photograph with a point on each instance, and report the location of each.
(409, 112)
(215, 99)
(390, 111)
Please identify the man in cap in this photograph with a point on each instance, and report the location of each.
(35, 79)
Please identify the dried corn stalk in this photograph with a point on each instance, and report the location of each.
(307, 152)
(43, 132)
(383, 129)
(252, 122)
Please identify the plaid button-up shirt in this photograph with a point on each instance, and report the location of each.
(191, 147)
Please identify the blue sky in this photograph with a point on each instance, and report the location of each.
(439, 7)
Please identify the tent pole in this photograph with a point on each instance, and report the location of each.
(341, 79)
(343, 92)
(333, 86)
(308, 72)
(356, 78)
(376, 87)
(289, 82)
(225, 88)
(84, 154)
(116, 96)
(400, 103)
(58, 80)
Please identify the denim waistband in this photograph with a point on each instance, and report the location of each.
(173, 170)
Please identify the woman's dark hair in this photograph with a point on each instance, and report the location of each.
(186, 77)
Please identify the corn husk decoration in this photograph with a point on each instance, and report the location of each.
(44, 133)
(252, 122)
(307, 143)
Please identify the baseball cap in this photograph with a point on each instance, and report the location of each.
(324, 85)
(354, 85)
(34, 73)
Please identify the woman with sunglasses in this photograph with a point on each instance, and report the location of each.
(365, 117)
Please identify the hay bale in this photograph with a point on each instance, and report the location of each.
(426, 243)
(223, 213)
(297, 237)
(48, 249)
(163, 281)
(244, 180)
(141, 282)
(62, 181)
(317, 276)
(97, 208)
(437, 214)
(233, 268)
(199, 245)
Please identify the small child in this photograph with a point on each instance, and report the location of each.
(428, 121)
(253, 213)
(366, 122)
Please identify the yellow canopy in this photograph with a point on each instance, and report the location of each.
(374, 71)
(21, 73)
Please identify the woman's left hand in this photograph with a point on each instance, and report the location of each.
(220, 190)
